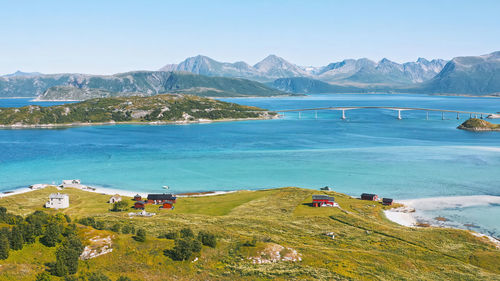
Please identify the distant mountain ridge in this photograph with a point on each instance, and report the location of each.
(479, 75)
(349, 71)
(22, 74)
(148, 83)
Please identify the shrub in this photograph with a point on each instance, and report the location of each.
(251, 243)
(16, 238)
(123, 278)
(126, 229)
(97, 276)
(187, 232)
(89, 221)
(170, 235)
(4, 246)
(141, 235)
(43, 276)
(207, 239)
(52, 235)
(184, 249)
(116, 228)
(119, 206)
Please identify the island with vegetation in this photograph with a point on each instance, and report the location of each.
(479, 125)
(272, 234)
(168, 108)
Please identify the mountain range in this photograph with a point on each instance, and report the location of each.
(349, 71)
(203, 76)
(146, 83)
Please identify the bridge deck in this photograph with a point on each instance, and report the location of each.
(384, 107)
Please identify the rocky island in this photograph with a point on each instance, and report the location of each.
(479, 125)
(159, 109)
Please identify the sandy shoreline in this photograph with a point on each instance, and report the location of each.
(113, 191)
(412, 212)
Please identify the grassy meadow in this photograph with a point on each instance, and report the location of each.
(366, 246)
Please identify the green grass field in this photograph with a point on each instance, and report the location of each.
(366, 246)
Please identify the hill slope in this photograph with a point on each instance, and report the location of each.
(366, 246)
(163, 108)
(476, 75)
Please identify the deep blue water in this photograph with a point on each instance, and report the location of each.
(372, 151)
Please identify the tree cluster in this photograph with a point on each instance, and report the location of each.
(187, 244)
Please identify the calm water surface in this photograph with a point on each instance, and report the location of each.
(372, 151)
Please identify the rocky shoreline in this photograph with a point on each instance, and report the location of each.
(83, 124)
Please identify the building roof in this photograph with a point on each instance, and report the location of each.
(368, 195)
(387, 199)
(323, 197)
(140, 202)
(164, 196)
(58, 196)
(116, 196)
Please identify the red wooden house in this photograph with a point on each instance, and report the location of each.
(161, 198)
(140, 205)
(137, 197)
(167, 205)
(369, 196)
(323, 200)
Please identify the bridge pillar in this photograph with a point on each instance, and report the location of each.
(343, 114)
(475, 116)
(458, 116)
(442, 115)
(399, 115)
(481, 116)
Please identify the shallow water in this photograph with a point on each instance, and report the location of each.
(372, 151)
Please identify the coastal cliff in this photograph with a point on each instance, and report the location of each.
(171, 108)
(478, 125)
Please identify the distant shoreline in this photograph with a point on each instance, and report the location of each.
(77, 124)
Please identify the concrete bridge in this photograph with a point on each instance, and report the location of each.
(398, 109)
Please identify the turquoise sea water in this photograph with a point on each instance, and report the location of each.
(372, 151)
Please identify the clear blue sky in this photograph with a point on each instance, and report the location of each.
(104, 37)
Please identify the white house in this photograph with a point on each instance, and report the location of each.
(58, 201)
(115, 198)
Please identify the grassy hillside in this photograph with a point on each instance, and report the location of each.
(166, 108)
(366, 245)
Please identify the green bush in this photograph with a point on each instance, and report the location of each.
(184, 248)
(119, 206)
(207, 239)
(140, 235)
(187, 232)
(170, 235)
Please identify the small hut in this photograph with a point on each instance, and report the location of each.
(140, 205)
(115, 198)
(137, 197)
(387, 201)
(369, 197)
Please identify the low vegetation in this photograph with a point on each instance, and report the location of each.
(247, 235)
(160, 108)
(476, 124)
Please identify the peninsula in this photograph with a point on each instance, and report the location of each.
(273, 234)
(159, 109)
(479, 125)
